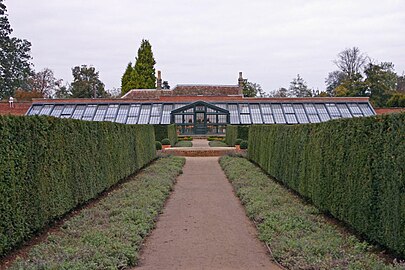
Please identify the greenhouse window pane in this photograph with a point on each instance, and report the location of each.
(314, 118)
(233, 110)
(365, 108)
(322, 112)
(77, 114)
(245, 119)
(35, 110)
(268, 119)
(289, 114)
(256, 114)
(46, 110)
(300, 113)
(333, 110)
(67, 111)
(355, 110)
(89, 112)
(144, 114)
(244, 108)
(111, 113)
(266, 109)
(178, 119)
(344, 110)
(222, 118)
(167, 108)
(278, 114)
(57, 110)
(122, 114)
(133, 114)
(310, 109)
(101, 110)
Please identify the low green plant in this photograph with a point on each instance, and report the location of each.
(243, 144)
(184, 144)
(217, 144)
(158, 146)
(166, 141)
(109, 234)
(216, 138)
(185, 138)
(238, 141)
(298, 234)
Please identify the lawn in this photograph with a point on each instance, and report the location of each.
(217, 144)
(184, 144)
(299, 236)
(109, 234)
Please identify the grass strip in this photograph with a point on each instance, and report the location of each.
(217, 144)
(184, 144)
(109, 234)
(298, 234)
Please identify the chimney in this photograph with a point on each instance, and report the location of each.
(240, 80)
(159, 81)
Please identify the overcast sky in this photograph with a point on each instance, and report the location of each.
(209, 42)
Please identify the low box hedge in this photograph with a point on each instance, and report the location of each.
(351, 168)
(48, 166)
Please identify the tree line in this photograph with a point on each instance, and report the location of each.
(19, 79)
(357, 75)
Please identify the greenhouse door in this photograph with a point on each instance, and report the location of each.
(200, 121)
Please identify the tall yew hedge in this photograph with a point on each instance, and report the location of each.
(234, 132)
(351, 168)
(166, 131)
(48, 166)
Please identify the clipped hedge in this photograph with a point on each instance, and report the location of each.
(166, 131)
(351, 168)
(48, 166)
(234, 132)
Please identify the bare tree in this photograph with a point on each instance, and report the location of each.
(44, 82)
(351, 61)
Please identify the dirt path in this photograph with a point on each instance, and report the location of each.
(204, 226)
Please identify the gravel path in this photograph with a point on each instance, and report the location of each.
(204, 226)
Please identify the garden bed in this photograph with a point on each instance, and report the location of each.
(298, 234)
(109, 234)
(217, 144)
(184, 144)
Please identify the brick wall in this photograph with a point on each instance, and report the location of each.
(20, 108)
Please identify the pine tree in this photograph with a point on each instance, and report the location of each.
(126, 83)
(143, 74)
(299, 88)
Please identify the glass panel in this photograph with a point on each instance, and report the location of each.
(198, 108)
(278, 114)
(300, 113)
(266, 108)
(333, 111)
(355, 110)
(256, 114)
(67, 111)
(101, 110)
(288, 108)
(211, 118)
(221, 105)
(323, 113)
(314, 118)
(268, 119)
(245, 119)
(344, 111)
(289, 114)
(89, 112)
(310, 109)
(176, 106)
(244, 108)
(222, 118)
(133, 114)
(111, 113)
(77, 114)
(312, 113)
(46, 110)
(144, 114)
(233, 110)
(366, 109)
(167, 108)
(122, 114)
(178, 119)
(57, 110)
(35, 110)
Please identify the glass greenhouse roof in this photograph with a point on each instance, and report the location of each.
(260, 112)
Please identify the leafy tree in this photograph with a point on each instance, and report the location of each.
(401, 83)
(86, 83)
(381, 82)
(396, 100)
(251, 89)
(63, 91)
(351, 62)
(334, 79)
(14, 57)
(281, 92)
(165, 85)
(298, 88)
(44, 82)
